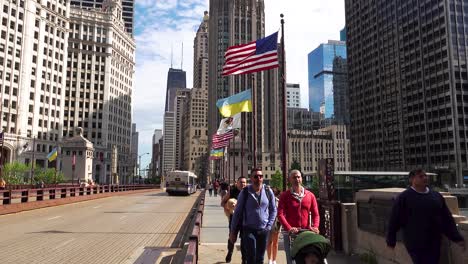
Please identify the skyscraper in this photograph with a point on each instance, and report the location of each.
(176, 78)
(233, 23)
(407, 81)
(321, 74)
(33, 58)
(195, 118)
(99, 82)
(293, 95)
(127, 10)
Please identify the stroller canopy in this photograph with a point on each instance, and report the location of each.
(306, 240)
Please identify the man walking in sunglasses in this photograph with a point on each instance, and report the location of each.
(254, 216)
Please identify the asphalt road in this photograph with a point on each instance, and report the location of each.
(140, 228)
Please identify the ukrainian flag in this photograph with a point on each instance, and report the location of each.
(217, 152)
(52, 155)
(241, 102)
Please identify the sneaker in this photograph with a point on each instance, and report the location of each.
(228, 257)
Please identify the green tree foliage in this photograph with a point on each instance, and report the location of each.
(15, 173)
(48, 176)
(314, 185)
(277, 180)
(296, 166)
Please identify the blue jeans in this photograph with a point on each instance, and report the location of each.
(254, 244)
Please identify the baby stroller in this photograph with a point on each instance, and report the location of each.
(308, 248)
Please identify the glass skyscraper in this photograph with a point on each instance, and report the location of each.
(321, 73)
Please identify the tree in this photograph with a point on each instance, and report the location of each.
(48, 176)
(277, 180)
(296, 166)
(15, 172)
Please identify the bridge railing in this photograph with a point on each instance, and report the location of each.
(17, 196)
(191, 257)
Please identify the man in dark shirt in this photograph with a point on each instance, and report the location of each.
(233, 193)
(424, 217)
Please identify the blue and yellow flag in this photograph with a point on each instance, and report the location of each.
(241, 102)
(52, 155)
(216, 153)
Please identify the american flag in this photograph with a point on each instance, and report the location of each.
(220, 144)
(255, 56)
(222, 137)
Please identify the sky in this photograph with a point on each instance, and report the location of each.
(165, 27)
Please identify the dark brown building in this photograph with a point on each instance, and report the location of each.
(408, 85)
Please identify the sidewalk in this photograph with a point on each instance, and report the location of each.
(214, 236)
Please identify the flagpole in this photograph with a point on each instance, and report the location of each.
(56, 166)
(229, 162)
(242, 143)
(234, 160)
(1, 157)
(285, 131)
(254, 121)
(33, 158)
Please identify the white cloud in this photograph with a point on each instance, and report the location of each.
(307, 24)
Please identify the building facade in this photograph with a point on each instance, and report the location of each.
(308, 147)
(303, 119)
(293, 95)
(127, 10)
(195, 131)
(233, 23)
(180, 105)
(33, 54)
(99, 86)
(408, 80)
(134, 150)
(321, 74)
(169, 130)
(156, 153)
(176, 79)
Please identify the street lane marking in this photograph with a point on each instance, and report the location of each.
(55, 217)
(122, 217)
(96, 207)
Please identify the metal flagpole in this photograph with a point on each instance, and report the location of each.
(1, 157)
(242, 143)
(284, 138)
(229, 162)
(254, 121)
(234, 160)
(33, 159)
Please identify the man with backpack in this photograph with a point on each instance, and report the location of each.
(254, 216)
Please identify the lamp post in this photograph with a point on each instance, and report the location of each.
(139, 165)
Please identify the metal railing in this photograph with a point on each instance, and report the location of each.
(16, 196)
(191, 257)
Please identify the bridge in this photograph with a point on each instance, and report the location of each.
(137, 226)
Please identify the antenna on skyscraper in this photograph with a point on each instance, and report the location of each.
(171, 55)
(182, 60)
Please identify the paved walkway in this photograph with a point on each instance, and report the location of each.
(214, 235)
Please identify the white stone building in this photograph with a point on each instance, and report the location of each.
(33, 52)
(100, 72)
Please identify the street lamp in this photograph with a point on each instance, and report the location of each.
(139, 165)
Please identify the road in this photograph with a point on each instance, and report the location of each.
(136, 228)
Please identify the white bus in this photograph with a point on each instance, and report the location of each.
(181, 182)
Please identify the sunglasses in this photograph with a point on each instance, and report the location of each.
(256, 176)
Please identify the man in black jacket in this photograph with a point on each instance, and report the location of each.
(424, 217)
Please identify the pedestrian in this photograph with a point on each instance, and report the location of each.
(2, 184)
(297, 209)
(215, 187)
(424, 216)
(223, 186)
(228, 202)
(210, 188)
(272, 245)
(255, 214)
